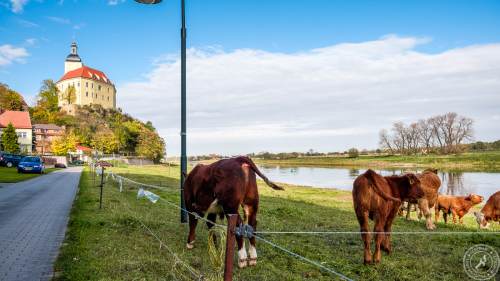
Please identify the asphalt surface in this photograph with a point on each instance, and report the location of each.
(33, 219)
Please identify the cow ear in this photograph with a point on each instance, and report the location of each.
(410, 179)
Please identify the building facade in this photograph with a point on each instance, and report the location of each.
(22, 123)
(44, 135)
(82, 85)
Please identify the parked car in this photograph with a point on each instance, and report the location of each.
(59, 165)
(31, 164)
(78, 163)
(9, 160)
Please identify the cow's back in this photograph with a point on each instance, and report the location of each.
(492, 207)
(364, 196)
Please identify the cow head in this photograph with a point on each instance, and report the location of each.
(474, 198)
(481, 220)
(415, 191)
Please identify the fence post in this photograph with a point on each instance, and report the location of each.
(102, 184)
(232, 219)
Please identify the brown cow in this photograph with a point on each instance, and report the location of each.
(430, 183)
(490, 211)
(379, 198)
(220, 188)
(456, 205)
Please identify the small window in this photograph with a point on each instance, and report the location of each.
(108, 98)
(92, 85)
(78, 84)
(87, 84)
(99, 87)
(87, 94)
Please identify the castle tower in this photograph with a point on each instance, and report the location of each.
(73, 60)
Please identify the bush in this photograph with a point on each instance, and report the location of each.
(353, 153)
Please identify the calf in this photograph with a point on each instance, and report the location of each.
(379, 198)
(430, 182)
(456, 205)
(490, 211)
(220, 188)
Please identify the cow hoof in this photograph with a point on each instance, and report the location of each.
(368, 262)
(252, 262)
(242, 263)
(190, 245)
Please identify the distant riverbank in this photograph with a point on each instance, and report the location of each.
(474, 161)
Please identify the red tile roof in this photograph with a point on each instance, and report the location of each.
(19, 119)
(87, 72)
(83, 148)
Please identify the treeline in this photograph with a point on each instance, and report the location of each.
(438, 134)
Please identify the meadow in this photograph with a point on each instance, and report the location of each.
(112, 244)
(470, 161)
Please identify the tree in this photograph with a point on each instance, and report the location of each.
(10, 99)
(105, 141)
(385, 140)
(70, 95)
(353, 153)
(48, 96)
(64, 144)
(9, 140)
(150, 145)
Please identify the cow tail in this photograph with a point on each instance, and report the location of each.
(252, 165)
(377, 189)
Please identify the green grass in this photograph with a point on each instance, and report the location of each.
(110, 244)
(473, 161)
(10, 175)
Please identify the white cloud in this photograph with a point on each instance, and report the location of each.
(115, 2)
(10, 54)
(328, 99)
(17, 6)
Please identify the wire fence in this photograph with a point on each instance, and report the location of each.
(119, 178)
(259, 234)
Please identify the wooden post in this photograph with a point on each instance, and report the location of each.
(232, 220)
(102, 185)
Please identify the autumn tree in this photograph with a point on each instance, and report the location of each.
(10, 99)
(150, 145)
(10, 140)
(105, 141)
(69, 96)
(64, 144)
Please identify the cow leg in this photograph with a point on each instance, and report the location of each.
(193, 221)
(436, 214)
(251, 214)
(454, 215)
(445, 216)
(379, 237)
(408, 211)
(365, 235)
(423, 205)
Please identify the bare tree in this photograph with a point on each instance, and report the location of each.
(426, 135)
(385, 141)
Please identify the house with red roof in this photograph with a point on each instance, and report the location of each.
(22, 123)
(83, 85)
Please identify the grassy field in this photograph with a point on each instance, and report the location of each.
(111, 244)
(474, 161)
(10, 175)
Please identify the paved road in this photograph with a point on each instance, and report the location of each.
(33, 219)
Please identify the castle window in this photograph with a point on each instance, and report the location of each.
(78, 84)
(92, 85)
(87, 94)
(87, 84)
(99, 87)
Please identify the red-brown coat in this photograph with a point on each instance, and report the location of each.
(456, 205)
(490, 211)
(221, 188)
(379, 198)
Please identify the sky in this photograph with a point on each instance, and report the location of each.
(270, 75)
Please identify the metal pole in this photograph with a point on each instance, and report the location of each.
(232, 219)
(183, 111)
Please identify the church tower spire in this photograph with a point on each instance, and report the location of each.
(73, 60)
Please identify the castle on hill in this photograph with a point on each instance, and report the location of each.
(82, 85)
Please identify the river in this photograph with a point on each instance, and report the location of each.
(453, 183)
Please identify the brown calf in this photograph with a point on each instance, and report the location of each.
(430, 182)
(456, 205)
(379, 198)
(490, 211)
(221, 188)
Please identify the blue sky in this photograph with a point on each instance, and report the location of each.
(130, 42)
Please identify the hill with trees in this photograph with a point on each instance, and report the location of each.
(107, 130)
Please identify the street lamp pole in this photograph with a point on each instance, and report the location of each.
(183, 111)
(183, 103)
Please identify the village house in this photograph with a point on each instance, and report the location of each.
(22, 123)
(91, 86)
(44, 135)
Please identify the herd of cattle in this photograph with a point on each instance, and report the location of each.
(222, 187)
